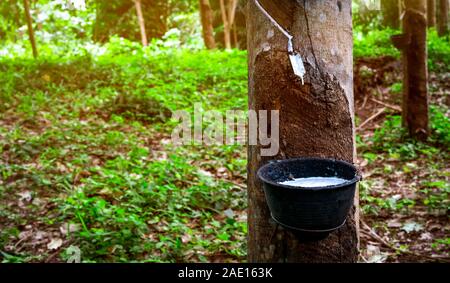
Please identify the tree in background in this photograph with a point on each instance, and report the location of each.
(206, 15)
(10, 19)
(413, 44)
(316, 119)
(366, 16)
(238, 29)
(228, 11)
(431, 13)
(141, 22)
(442, 18)
(391, 13)
(117, 17)
(30, 27)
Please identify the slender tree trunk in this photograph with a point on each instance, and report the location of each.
(401, 10)
(232, 5)
(235, 36)
(316, 119)
(30, 28)
(442, 21)
(141, 21)
(228, 11)
(431, 13)
(391, 13)
(415, 93)
(206, 16)
(226, 25)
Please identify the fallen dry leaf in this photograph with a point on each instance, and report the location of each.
(54, 244)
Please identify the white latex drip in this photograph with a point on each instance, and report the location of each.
(294, 57)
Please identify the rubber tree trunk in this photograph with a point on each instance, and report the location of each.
(141, 21)
(316, 119)
(415, 86)
(391, 13)
(206, 15)
(442, 21)
(228, 10)
(431, 13)
(30, 28)
(226, 25)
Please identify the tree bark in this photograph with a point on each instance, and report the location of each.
(226, 25)
(391, 13)
(235, 36)
(141, 21)
(431, 13)
(316, 119)
(30, 28)
(415, 93)
(206, 16)
(442, 21)
(228, 11)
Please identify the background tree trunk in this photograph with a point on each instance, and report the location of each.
(228, 10)
(431, 13)
(316, 119)
(206, 16)
(415, 94)
(30, 28)
(141, 21)
(235, 36)
(226, 25)
(391, 13)
(118, 17)
(442, 21)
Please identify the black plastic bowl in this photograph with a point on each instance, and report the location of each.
(318, 209)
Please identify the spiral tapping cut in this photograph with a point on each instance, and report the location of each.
(294, 57)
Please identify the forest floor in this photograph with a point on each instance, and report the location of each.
(404, 195)
(86, 163)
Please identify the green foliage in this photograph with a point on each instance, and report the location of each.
(58, 21)
(373, 43)
(440, 124)
(441, 244)
(376, 42)
(180, 78)
(158, 199)
(393, 139)
(364, 18)
(64, 30)
(118, 17)
(11, 19)
(374, 205)
(396, 88)
(438, 52)
(436, 196)
(93, 152)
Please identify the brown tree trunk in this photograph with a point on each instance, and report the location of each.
(415, 93)
(141, 21)
(228, 10)
(442, 21)
(431, 13)
(391, 14)
(30, 28)
(401, 10)
(316, 119)
(235, 36)
(206, 16)
(226, 25)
